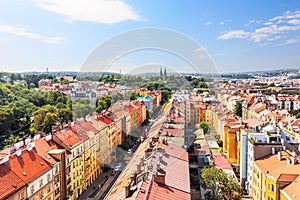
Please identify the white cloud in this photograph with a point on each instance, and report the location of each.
(294, 21)
(268, 23)
(221, 23)
(291, 41)
(270, 30)
(23, 31)
(99, 11)
(207, 23)
(239, 34)
(200, 49)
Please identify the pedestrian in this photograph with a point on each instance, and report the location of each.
(99, 186)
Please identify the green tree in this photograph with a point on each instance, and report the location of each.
(82, 108)
(133, 96)
(165, 96)
(64, 115)
(116, 97)
(103, 103)
(49, 121)
(238, 109)
(222, 186)
(69, 103)
(205, 127)
(39, 117)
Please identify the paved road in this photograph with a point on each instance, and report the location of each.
(94, 188)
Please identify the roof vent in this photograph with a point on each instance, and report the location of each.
(24, 173)
(19, 153)
(294, 154)
(279, 155)
(48, 137)
(4, 159)
(273, 150)
(14, 185)
(27, 141)
(41, 163)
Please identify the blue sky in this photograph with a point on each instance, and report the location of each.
(61, 34)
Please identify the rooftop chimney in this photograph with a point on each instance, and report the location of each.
(160, 177)
(293, 160)
(273, 150)
(138, 168)
(279, 155)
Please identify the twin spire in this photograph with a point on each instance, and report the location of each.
(161, 72)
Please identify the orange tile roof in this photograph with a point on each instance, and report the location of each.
(252, 122)
(68, 137)
(87, 126)
(222, 162)
(293, 188)
(162, 192)
(105, 119)
(287, 177)
(234, 130)
(173, 132)
(177, 168)
(10, 182)
(272, 166)
(29, 166)
(174, 163)
(80, 132)
(43, 147)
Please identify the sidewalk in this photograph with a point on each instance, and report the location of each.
(93, 189)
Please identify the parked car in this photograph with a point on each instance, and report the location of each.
(116, 169)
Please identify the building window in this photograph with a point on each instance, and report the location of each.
(32, 189)
(49, 188)
(272, 188)
(41, 195)
(48, 178)
(21, 195)
(56, 191)
(56, 179)
(41, 182)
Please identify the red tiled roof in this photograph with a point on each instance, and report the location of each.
(43, 147)
(80, 132)
(162, 192)
(222, 162)
(252, 122)
(177, 169)
(10, 182)
(68, 137)
(29, 166)
(234, 130)
(173, 132)
(202, 150)
(87, 126)
(179, 120)
(287, 177)
(105, 119)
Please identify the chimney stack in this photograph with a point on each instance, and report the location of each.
(273, 150)
(279, 155)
